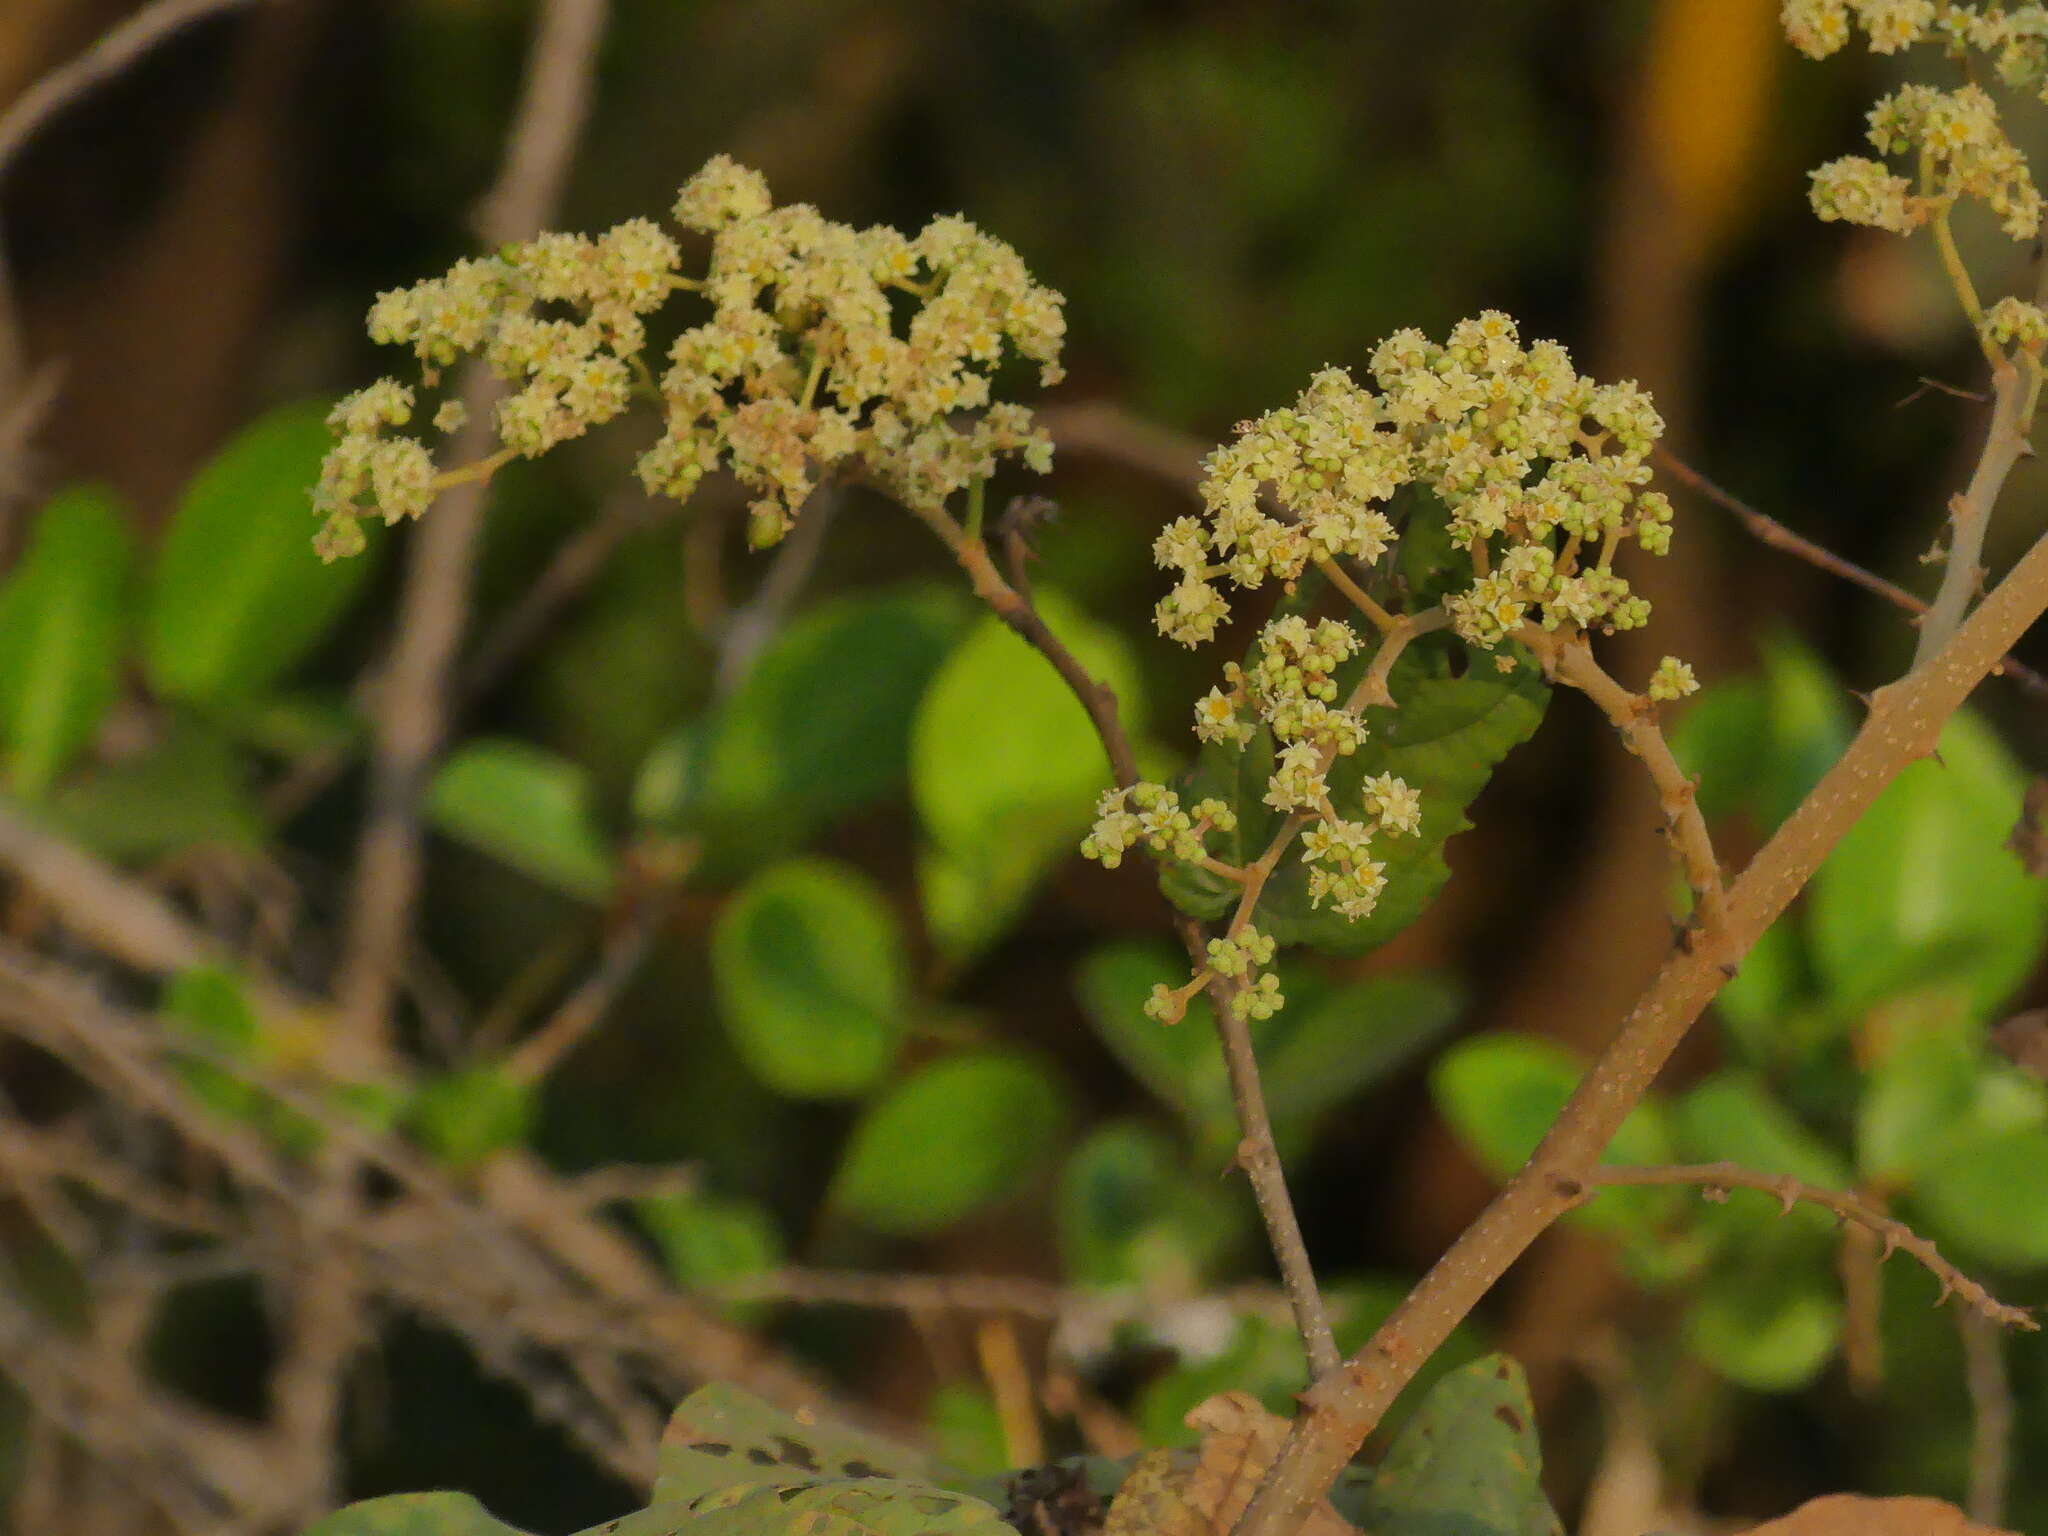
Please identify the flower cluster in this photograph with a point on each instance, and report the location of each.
(1152, 814)
(2013, 320)
(2014, 37)
(803, 365)
(1961, 150)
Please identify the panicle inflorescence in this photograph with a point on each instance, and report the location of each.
(1541, 472)
(803, 366)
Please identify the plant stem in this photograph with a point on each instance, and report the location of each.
(1903, 725)
(2005, 444)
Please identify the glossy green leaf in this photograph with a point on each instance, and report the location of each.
(188, 790)
(62, 613)
(955, 1136)
(527, 808)
(821, 724)
(1131, 1213)
(1469, 1462)
(1333, 1047)
(238, 596)
(1002, 752)
(413, 1514)
(812, 980)
(467, 1116)
(1445, 739)
(1923, 886)
(1987, 1199)
(1502, 1092)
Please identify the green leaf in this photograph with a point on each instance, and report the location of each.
(1989, 1198)
(1357, 1035)
(62, 612)
(1733, 1116)
(1445, 739)
(238, 596)
(1181, 1063)
(189, 790)
(820, 726)
(972, 896)
(467, 1116)
(1467, 1464)
(1002, 753)
(1759, 744)
(955, 1136)
(707, 1240)
(721, 1437)
(1770, 984)
(1502, 1092)
(812, 980)
(413, 1514)
(1130, 1213)
(1768, 1316)
(525, 807)
(966, 1430)
(1923, 887)
(1916, 1104)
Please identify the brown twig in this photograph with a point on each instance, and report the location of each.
(1767, 530)
(624, 950)
(1902, 726)
(1037, 1299)
(1714, 1180)
(410, 714)
(2014, 391)
(1257, 1154)
(1992, 1417)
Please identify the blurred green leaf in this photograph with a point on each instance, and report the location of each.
(238, 596)
(1468, 1462)
(1769, 1316)
(821, 724)
(707, 1240)
(1915, 1103)
(812, 980)
(953, 1137)
(1502, 1092)
(1002, 755)
(1331, 1048)
(971, 897)
(1445, 740)
(1923, 886)
(1180, 1063)
(466, 1116)
(189, 790)
(1131, 1212)
(290, 725)
(1989, 1198)
(413, 1514)
(1733, 1116)
(966, 1430)
(525, 807)
(62, 612)
(1760, 999)
(1759, 744)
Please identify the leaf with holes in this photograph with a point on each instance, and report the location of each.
(1467, 1462)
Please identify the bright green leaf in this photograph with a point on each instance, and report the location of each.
(1002, 752)
(821, 724)
(238, 596)
(525, 807)
(1468, 1462)
(1502, 1092)
(812, 979)
(1915, 1103)
(62, 613)
(707, 1240)
(1989, 1199)
(965, 1429)
(1923, 887)
(957, 1135)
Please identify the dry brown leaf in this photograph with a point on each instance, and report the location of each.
(1849, 1514)
(1204, 1491)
